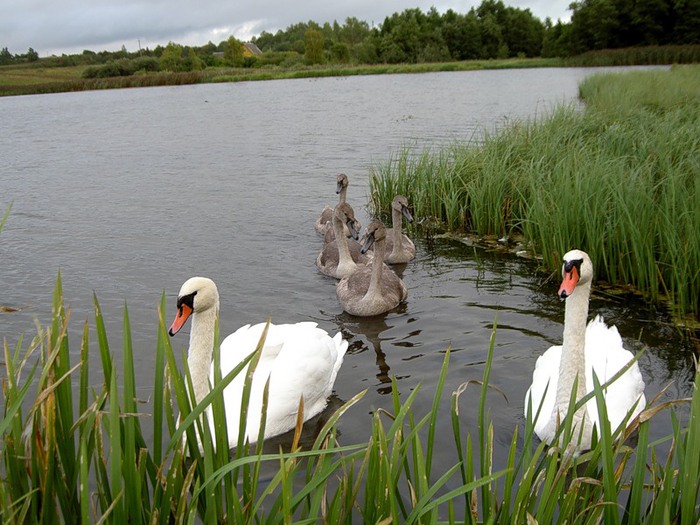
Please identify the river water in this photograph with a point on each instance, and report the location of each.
(130, 192)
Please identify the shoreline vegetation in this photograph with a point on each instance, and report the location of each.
(15, 80)
(33, 78)
(76, 452)
(620, 180)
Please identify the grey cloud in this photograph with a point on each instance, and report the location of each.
(69, 26)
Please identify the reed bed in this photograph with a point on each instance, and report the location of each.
(645, 55)
(72, 452)
(620, 180)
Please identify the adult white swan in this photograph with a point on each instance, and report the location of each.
(399, 248)
(300, 360)
(371, 290)
(585, 349)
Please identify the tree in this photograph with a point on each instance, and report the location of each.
(401, 37)
(556, 42)
(650, 22)
(171, 57)
(313, 46)
(340, 53)
(523, 33)
(462, 35)
(491, 37)
(354, 31)
(233, 52)
(190, 61)
(5, 56)
(686, 22)
(32, 56)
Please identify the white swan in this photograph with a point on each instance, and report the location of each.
(399, 248)
(341, 257)
(300, 360)
(375, 289)
(323, 223)
(585, 349)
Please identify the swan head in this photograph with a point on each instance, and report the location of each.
(576, 270)
(345, 214)
(400, 204)
(342, 182)
(375, 232)
(198, 294)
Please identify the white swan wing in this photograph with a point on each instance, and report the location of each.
(543, 392)
(299, 360)
(606, 355)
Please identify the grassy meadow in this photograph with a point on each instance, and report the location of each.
(72, 452)
(620, 180)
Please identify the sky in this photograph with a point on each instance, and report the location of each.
(55, 27)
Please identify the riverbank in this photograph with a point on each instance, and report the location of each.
(39, 77)
(24, 80)
(619, 180)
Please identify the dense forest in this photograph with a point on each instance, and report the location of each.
(491, 30)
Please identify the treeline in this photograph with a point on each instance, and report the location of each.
(494, 30)
(491, 30)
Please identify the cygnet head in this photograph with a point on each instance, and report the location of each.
(374, 232)
(576, 270)
(346, 215)
(342, 182)
(400, 204)
(198, 294)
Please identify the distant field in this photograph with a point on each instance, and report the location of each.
(25, 79)
(25, 76)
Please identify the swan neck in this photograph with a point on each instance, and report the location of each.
(342, 195)
(341, 241)
(199, 356)
(377, 266)
(573, 355)
(396, 223)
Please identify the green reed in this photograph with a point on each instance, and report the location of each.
(76, 452)
(619, 180)
(72, 451)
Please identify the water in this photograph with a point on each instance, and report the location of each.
(128, 193)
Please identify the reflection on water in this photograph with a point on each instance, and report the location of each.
(130, 192)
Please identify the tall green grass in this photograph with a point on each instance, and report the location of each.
(620, 179)
(72, 452)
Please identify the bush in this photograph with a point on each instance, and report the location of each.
(144, 64)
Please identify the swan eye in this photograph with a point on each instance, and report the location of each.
(570, 265)
(187, 300)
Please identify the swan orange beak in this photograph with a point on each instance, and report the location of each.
(183, 313)
(569, 283)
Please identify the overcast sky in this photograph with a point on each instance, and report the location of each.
(70, 26)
